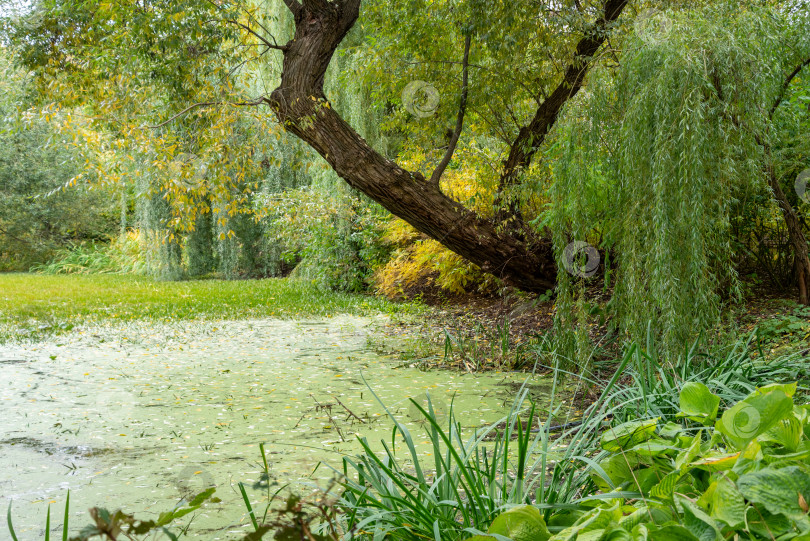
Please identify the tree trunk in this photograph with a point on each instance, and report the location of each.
(795, 233)
(302, 108)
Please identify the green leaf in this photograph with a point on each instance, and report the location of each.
(593, 523)
(698, 403)
(523, 523)
(755, 415)
(697, 521)
(788, 388)
(652, 448)
(766, 525)
(688, 455)
(787, 432)
(778, 490)
(715, 462)
(670, 532)
(10, 525)
(193, 505)
(619, 468)
(628, 435)
(727, 504)
(664, 489)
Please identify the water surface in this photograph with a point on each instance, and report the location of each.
(140, 416)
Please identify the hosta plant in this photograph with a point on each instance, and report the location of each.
(744, 474)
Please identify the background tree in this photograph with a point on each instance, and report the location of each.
(37, 215)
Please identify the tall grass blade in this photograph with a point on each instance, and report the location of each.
(249, 507)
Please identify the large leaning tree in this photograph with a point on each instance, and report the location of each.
(560, 41)
(504, 246)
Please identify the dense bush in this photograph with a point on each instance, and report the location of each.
(37, 215)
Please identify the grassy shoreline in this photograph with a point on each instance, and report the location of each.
(33, 304)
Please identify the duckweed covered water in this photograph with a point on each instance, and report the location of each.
(139, 417)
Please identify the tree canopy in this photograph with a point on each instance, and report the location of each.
(522, 136)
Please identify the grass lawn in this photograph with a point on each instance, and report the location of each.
(31, 301)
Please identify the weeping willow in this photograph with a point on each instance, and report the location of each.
(162, 251)
(651, 159)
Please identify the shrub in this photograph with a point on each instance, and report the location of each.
(121, 256)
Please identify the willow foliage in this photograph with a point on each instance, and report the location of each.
(650, 160)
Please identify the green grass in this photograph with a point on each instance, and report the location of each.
(31, 301)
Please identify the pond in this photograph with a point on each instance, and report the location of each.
(140, 416)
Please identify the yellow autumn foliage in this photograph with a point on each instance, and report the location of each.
(424, 261)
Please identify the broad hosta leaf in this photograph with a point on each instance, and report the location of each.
(688, 455)
(644, 515)
(671, 430)
(698, 403)
(698, 522)
(664, 489)
(644, 480)
(652, 448)
(787, 432)
(727, 504)
(593, 523)
(755, 415)
(670, 532)
(521, 524)
(619, 469)
(714, 462)
(778, 490)
(802, 453)
(628, 435)
(788, 388)
(766, 525)
(617, 534)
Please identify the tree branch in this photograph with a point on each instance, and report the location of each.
(301, 107)
(786, 84)
(532, 135)
(255, 101)
(259, 36)
(451, 149)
